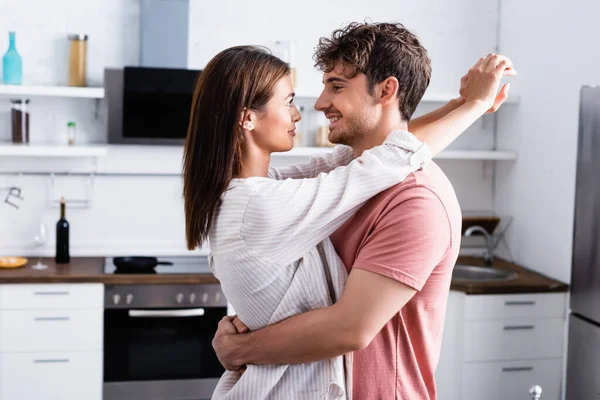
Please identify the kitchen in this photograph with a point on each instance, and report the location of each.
(125, 199)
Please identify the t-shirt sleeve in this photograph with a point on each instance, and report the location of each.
(410, 239)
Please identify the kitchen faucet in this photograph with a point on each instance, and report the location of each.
(489, 243)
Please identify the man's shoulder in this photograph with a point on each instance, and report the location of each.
(427, 185)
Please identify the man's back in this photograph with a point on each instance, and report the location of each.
(410, 233)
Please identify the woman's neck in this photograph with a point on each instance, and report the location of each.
(255, 162)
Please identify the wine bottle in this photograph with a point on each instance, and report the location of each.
(62, 237)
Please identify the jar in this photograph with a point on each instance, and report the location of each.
(19, 114)
(77, 59)
(71, 133)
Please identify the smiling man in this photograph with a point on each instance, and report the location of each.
(399, 249)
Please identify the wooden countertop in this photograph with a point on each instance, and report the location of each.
(526, 281)
(91, 269)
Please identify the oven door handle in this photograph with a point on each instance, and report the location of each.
(188, 312)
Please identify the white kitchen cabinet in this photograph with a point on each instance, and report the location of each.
(506, 380)
(498, 346)
(513, 339)
(494, 307)
(51, 376)
(51, 341)
(54, 296)
(50, 330)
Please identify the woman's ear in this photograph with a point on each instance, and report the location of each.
(248, 120)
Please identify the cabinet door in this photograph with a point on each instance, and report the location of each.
(55, 296)
(51, 330)
(51, 376)
(511, 379)
(513, 339)
(539, 305)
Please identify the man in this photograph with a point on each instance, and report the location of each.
(399, 249)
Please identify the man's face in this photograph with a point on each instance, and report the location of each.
(352, 112)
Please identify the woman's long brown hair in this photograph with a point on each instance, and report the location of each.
(237, 79)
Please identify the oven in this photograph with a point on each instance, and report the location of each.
(158, 341)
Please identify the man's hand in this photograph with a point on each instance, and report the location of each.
(228, 327)
(497, 65)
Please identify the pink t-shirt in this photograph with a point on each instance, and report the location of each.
(410, 233)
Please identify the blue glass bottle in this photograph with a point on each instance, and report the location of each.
(11, 63)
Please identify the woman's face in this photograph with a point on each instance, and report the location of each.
(275, 127)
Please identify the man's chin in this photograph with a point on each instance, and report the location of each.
(337, 138)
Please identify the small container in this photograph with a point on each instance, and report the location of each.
(20, 121)
(77, 59)
(71, 133)
(284, 49)
(12, 68)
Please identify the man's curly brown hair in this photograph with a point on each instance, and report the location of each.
(379, 50)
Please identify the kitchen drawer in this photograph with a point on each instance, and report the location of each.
(511, 380)
(543, 305)
(49, 330)
(513, 339)
(52, 296)
(51, 376)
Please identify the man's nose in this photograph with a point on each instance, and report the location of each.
(322, 103)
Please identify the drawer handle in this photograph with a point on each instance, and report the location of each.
(51, 318)
(188, 312)
(516, 369)
(51, 360)
(51, 293)
(520, 303)
(518, 327)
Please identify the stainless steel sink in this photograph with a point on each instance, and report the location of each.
(473, 273)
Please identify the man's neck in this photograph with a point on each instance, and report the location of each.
(378, 136)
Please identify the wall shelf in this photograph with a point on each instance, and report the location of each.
(50, 150)
(429, 97)
(51, 91)
(495, 155)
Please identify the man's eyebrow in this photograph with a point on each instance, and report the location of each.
(335, 79)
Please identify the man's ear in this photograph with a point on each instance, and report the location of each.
(386, 90)
(248, 120)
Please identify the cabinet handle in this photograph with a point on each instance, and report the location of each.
(52, 318)
(187, 312)
(51, 360)
(520, 303)
(518, 327)
(51, 293)
(516, 369)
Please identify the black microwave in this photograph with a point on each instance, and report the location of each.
(148, 105)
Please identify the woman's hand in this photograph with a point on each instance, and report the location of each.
(482, 81)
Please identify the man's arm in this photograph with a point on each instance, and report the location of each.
(395, 261)
(369, 301)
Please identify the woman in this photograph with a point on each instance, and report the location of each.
(268, 234)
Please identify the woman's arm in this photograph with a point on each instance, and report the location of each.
(341, 155)
(283, 219)
(416, 124)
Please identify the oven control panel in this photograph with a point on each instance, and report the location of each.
(164, 296)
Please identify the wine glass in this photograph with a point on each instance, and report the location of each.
(39, 239)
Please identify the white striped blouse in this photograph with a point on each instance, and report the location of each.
(270, 251)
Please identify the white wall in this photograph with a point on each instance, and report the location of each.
(553, 44)
(145, 214)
